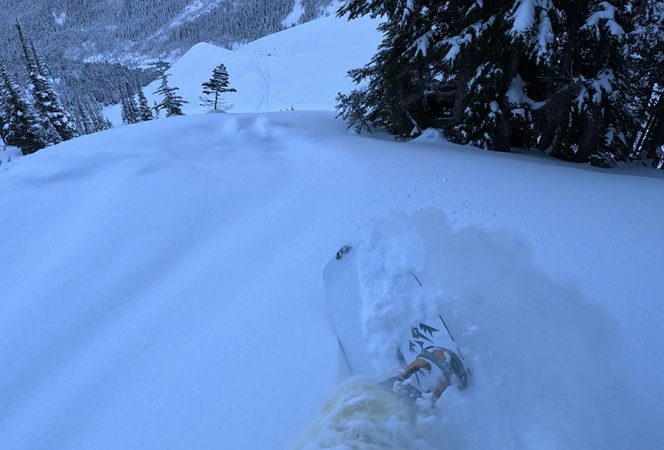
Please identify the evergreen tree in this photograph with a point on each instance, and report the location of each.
(130, 108)
(399, 77)
(216, 86)
(144, 110)
(4, 95)
(133, 104)
(55, 121)
(171, 102)
(101, 123)
(647, 76)
(93, 121)
(20, 126)
(527, 73)
(161, 66)
(352, 111)
(495, 59)
(124, 111)
(84, 125)
(586, 117)
(89, 119)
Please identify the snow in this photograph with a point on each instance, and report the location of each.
(603, 84)
(59, 18)
(162, 282)
(163, 288)
(599, 86)
(545, 34)
(524, 17)
(194, 10)
(294, 16)
(607, 13)
(524, 21)
(303, 67)
(466, 36)
(516, 95)
(528, 337)
(421, 44)
(8, 155)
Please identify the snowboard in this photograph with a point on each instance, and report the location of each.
(345, 304)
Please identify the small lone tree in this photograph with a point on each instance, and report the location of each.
(172, 102)
(216, 86)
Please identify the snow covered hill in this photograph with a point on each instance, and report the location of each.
(161, 283)
(303, 67)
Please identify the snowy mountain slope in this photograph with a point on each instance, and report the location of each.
(303, 67)
(162, 282)
(161, 285)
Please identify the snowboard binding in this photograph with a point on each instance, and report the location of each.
(431, 373)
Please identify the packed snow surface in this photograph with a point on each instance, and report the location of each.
(162, 282)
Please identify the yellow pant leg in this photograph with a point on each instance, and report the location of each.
(362, 416)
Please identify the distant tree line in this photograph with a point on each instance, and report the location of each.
(583, 81)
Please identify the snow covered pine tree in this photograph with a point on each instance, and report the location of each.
(501, 74)
(647, 77)
(400, 95)
(144, 110)
(20, 126)
(171, 103)
(130, 108)
(55, 121)
(586, 116)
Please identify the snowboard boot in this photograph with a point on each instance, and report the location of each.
(432, 372)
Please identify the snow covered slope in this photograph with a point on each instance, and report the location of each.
(303, 67)
(162, 285)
